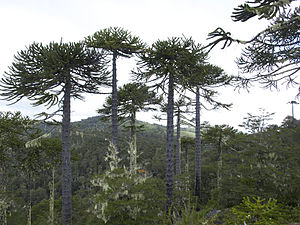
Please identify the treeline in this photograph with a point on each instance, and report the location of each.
(261, 163)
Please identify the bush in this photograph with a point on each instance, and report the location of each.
(258, 211)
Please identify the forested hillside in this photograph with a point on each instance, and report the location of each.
(262, 163)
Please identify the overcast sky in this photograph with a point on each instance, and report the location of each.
(23, 22)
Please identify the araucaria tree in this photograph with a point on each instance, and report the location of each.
(162, 66)
(202, 78)
(181, 107)
(53, 74)
(119, 43)
(132, 98)
(273, 54)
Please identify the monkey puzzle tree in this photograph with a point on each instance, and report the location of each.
(202, 79)
(220, 136)
(181, 107)
(181, 119)
(162, 66)
(53, 74)
(273, 54)
(119, 43)
(132, 98)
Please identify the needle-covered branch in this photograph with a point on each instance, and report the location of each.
(272, 55)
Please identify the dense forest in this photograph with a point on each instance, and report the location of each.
(259, 168)
(114, 169)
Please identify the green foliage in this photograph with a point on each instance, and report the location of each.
(276, 148)
(127, 199)
(171, 57)
(257, 123)
(115, 39)
(272, 54)
(132, 98)
(263, 9)
(189, 215)
(258, 211)
(15, 131)
(123, 197)
(41, 71)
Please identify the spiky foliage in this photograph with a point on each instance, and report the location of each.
(119, 43)
(164, 64)
(202, 78)
(52, 74)
(132, 98)
(220, 136)
(273, 54)
(258, 210)
(48, 68)
(116, 39)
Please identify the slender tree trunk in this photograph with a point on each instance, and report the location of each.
(29, 215)
(133, 150)
(219, 176)
(198, 147)
(178, 147)
(51, 201)
(3, 189)
(114, 108)
(170, 146)
(5, 216)
(66, 158)
(186, 161)
(29, 201)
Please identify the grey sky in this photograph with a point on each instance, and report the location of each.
(23, 22)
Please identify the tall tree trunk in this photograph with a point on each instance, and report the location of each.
(186, 161)
(5, 216)
(170, 146)
(29, 201)
(114, 108)
(66, 158)
(198, 147)
(133, 150)
(219, 176)
(178, 147)
(51, 200)
(3, 190)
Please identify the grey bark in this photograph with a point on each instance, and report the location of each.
(51, 201)
(186, 161)
(170, 146)
(114, 108)
(66, 158)
(198, 147)
(29, 201)
(133, 151)
(3, 187)
(5, 216)
(178, 147)
(219, 176)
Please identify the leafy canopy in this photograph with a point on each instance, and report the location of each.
(41, 71)
(115, 39)
(132, 98)
(273, 54)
